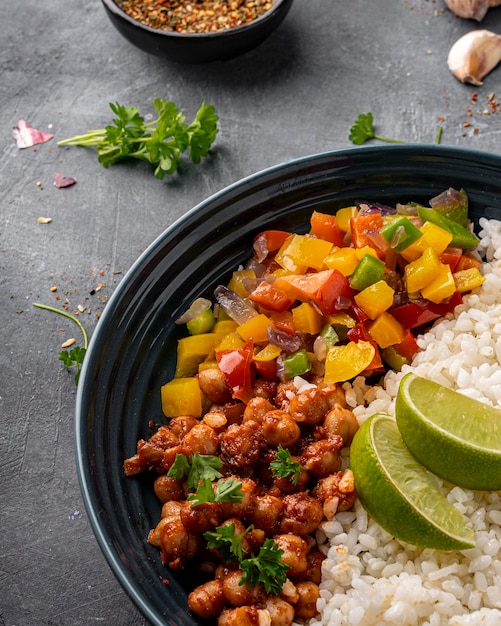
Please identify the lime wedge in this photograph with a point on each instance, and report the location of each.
(399, 493)
(456, 437)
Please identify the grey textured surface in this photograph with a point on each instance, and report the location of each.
(61, 64)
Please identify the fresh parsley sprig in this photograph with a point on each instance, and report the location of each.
(284, 466)
(75, 357)
(266, 568)
(229, 490)
(196, 468)
(160, 142)
(227, 544)
(363, 130)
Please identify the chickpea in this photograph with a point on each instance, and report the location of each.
(285, 391)
(150, 453)
(167, 488)
(321, 458)
(256, 409)
(306, 606)
(207, 600)
(244, 616)
(334, 394)
(309, 407)
(201, 518)
(302, 514)
(287, 486)
(315, 559)
(182, 424)
(342, 422)
(336, 492)
(155, 534)
(295, 553)
(244, 507)
(238, 594)
(213, 385)
(202, 439)
(279, 429)
(266, 513)
(264, 388)
(172, 509)
(281, 612)
(241, 444)
(177, 545)
(169, 456)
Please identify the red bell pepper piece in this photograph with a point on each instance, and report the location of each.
(284, 321)
(335, 293)
(237, 367)
(408, 347)
(268, 242)
(267, 369)
(364, 224)
(450, 257)
(270, 297)
(326, 227)
(360, 332)
(419, 312)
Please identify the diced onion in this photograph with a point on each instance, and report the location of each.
(197, 306)
(234, 305)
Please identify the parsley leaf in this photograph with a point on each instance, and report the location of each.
(226, 542)
(197, 468)
(363, 130)
(266, 568)
(228, 490)
(284, 466)
(73, 358)
(160, 142)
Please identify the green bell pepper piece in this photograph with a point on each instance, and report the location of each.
(329, 335)
(400, 232)
(201, 323)
(461, 237)
(296, 364)
(369, 270)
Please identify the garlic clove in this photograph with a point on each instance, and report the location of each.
(471, 9)
(474, 55)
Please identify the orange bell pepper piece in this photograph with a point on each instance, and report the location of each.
(307, 319)
(255, 329)
(386, 331)
(364, 224)
(270, 297)
(325, 226)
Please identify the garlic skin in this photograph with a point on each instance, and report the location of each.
(474, 55)
(471, 9)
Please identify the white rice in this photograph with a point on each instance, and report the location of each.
(370, 578)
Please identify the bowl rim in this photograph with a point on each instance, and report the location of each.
(114, 8)
(83, 473)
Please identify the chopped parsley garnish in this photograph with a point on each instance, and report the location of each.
(229, 490)
(266, 568)
(199, 467)
(226, 542)
(363, 130)
(284, 466)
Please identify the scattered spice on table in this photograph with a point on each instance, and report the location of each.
(195, 16)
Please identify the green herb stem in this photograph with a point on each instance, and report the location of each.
(69, 316)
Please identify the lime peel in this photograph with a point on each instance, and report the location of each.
(400, 494)
(454, 436)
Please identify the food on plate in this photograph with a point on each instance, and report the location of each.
(252, 467)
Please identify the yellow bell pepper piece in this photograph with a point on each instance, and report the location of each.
(344, 215)
(419, 273)
(375, 299)
(223, 327)
(341, 319)
(442, 287)
(191, 351)
(268, 353)
(433, 237)
(344, 260)
(236, 281)
(208, 364)
(299, 252)
(182, 396)
(256, 328)
(347, 361)
(466, 280)
(360, 252)
(231, 341)
(307, 319)
(386, 330)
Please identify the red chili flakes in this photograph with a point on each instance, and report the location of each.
(26, 136)
(61, 181)
(195, 16)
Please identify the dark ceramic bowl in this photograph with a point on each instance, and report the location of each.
(132, 352)
(197, 47)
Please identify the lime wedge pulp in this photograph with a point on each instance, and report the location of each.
(399, 493)
(456, 437)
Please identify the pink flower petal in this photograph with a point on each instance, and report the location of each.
(26, 136)
(63, 181)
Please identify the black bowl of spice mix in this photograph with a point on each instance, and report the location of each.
(196, 31)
